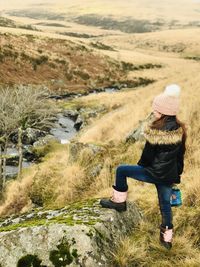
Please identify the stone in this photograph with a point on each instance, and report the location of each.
(28, 154)
(44, 140)
(29, 136)
(78, 123)
(96, 170)
(72, 114)
(77, 147)
(82, 234)
(137, 134)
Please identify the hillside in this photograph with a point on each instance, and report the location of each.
(5, 22)
(62, 65)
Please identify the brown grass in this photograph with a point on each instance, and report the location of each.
(62, 65)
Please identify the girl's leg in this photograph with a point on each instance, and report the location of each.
(133, 171)
(164, 195)
(118, 200)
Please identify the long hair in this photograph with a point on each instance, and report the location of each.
(159, 123)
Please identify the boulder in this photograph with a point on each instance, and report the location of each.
(29, 136)
(137, 134)
(95, 171)
(72, 114)
(77, 147)
(44, 140)
(79, 123)
(82, 234)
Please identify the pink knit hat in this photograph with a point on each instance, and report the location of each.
(167, 103)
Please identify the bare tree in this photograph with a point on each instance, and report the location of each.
(21, 108)
(33, 110)
(8, 124)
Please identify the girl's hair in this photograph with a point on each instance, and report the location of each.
(159, 123)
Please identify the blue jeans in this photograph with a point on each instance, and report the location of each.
(164, 191)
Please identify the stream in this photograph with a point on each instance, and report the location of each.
(63, 131)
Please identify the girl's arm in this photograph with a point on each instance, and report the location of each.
(148, 154)
(180, 159)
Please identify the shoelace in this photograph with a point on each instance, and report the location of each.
(167, 235)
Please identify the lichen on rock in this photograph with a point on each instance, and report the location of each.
(82, 234)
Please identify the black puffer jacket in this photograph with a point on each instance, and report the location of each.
(163, 153)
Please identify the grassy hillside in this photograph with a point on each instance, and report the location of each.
(5, 22)
(62, 65)
(182, 42)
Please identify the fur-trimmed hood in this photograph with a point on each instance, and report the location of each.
(162, 137)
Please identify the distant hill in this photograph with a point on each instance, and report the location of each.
(119, 16)
(5, 22)
(181, 10)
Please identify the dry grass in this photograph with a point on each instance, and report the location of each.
(143, 249)
(129, 253)
(51, 183)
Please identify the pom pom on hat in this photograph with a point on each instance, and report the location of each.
(172, 90)
(167, 103)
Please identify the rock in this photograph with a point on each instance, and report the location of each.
(95, 149)
(13, 155)
(29, 216)
(137, 134)
(72, 114)
(96, 170)
(92, 112)
(78, 123)
(12, 160)
(82, 234)
(28, 154)
(77, 147)
(29, 136)
(45, 140)
(82, 115)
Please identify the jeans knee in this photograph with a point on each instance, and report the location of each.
(119, 169)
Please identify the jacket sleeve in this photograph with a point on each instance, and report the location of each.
(180, 159)
(148, 155)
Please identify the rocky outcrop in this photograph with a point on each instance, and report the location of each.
(82, 234)
(76, 147)
(137, 133)
(44, 140)
(29, 136)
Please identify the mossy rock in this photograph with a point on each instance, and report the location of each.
(82, 234)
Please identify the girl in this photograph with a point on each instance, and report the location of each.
(161, 162)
